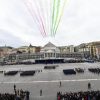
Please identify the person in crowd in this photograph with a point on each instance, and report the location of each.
(14, 87)
(27, 95)
(60, 84)
(89, 85)
(17, 98)
(41, 92)
(15, 90)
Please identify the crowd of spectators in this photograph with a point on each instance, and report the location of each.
(17, 95)
(7, 96)
(20, 95)
(87, 95)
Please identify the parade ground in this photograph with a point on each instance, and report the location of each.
(49, 80)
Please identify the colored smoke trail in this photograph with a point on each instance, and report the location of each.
(40, 17)
(53, 16)
(60, 16)
(47, 15)
(56, 14)
(36, 19)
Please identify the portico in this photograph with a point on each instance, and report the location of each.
(50, 51)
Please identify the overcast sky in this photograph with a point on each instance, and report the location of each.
(80, 23)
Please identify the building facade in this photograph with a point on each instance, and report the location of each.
(85, 50)
(48, 52)
(4, 51)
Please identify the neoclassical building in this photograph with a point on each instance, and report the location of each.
(50, 51)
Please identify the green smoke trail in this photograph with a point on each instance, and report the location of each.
(53, 14)
(56, 14)
(60, 16)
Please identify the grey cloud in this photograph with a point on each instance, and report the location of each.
(80, 23)
(10, 40)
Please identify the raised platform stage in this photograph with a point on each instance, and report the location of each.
(49, 61)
